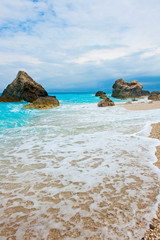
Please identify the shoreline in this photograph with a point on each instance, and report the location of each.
(140, 106)
(155, 133)
(104, 208)
(153, 233)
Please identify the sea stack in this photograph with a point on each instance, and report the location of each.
(121, 89)
(23, 88)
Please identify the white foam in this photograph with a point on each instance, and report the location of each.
(84, 144)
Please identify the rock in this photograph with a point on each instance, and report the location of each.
(145, 93)
(43, 103)
(106, 102)
(102, 96)
(134, 100)
(155, 96)
(8, 99)
(151, 226)
(23, 88)
(99, 93)
(129, 102)
(134, 82)
(122, 89)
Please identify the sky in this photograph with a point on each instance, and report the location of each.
(80, 44)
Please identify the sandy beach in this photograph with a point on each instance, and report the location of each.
(142, 105)
(153, 233)
(67, 185)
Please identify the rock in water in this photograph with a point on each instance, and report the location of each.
(23, 88)
(106, 102)
(145, 93)
(154, 96)
(43, 103)
(102, 96)
(99, 93)
(122, 89)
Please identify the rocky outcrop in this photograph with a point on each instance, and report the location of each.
(154, 96)
(99, 93)
(122, 89)
(43, 103)
(23, 88)
(106, 102)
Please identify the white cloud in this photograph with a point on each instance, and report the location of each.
(151, 53)
(7, 59)
(97, 56)
(64, 40)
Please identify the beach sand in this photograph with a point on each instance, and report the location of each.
(153, 233)
(142, 105)
(82, 214)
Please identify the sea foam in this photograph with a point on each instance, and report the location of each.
(79, 172)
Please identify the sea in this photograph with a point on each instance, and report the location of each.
(77, 171)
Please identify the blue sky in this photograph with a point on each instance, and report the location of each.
(82, 44)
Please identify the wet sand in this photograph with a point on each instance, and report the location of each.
(52, 206)
(153, 233)
(142, 105)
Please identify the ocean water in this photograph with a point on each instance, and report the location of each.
(76, 171)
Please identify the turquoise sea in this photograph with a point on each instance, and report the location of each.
(77, 171)
(13, 114)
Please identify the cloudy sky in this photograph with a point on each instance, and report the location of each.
(80, 44)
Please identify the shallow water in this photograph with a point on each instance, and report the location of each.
(78, 172)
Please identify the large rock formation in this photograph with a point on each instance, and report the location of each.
(23, 88)
(154, 96)
(43, 103)
(122, 89)
(106, 102)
